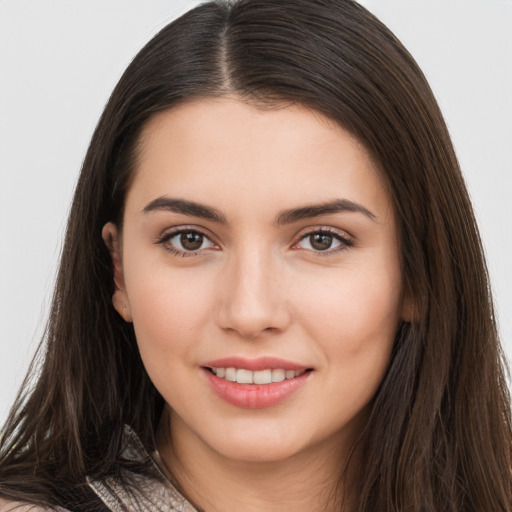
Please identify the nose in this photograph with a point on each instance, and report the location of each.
(252, 296)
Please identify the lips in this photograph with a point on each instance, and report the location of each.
(260, 363)
(255, 383)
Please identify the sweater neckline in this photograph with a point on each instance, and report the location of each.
(156, 492)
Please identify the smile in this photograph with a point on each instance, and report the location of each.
(243, 376)
(258, 388)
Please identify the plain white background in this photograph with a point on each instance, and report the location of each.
(59, 61)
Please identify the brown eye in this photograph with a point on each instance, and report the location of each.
(186, 242)
(324, 241)
(191, 241)
(321, 241)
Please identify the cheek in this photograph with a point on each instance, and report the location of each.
(169, 308)
(355, 316)
(171, 312)
(354, 326)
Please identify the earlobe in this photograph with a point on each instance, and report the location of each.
(120, 300)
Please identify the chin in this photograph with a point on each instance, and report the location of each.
(257, 451)
(261, 443)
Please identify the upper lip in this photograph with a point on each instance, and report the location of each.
(257, 364)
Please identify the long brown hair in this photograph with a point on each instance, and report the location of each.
(439, 436)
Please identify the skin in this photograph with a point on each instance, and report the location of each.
(259, 288)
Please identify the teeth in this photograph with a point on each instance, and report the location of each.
(262, 377)
(243, 376)
(230, 374)
(278, 375)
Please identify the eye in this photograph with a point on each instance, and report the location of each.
(324, 241)
(186, 242)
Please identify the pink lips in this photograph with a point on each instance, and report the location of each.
(260, 363)
(254, 396)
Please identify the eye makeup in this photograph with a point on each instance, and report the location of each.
(186, 241)
(191, 241)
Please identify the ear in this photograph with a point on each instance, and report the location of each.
(120, 297)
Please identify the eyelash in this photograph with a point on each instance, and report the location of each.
(178, 252)
(345, 241)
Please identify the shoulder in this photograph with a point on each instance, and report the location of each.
(18, 506)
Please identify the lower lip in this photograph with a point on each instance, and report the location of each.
(255, 396)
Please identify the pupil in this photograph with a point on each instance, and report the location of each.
(191, 241)
(321, 241)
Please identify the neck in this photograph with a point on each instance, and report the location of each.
(309, 481)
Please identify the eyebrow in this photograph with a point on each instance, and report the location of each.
(329, 207)
(186, 208)
(285, 217)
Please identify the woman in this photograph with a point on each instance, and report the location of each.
(272, 293)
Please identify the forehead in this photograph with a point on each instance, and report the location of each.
(227, 151)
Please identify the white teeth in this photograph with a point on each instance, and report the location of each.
(243, 376)
(262, 377)
(230, 374)
(278, 375)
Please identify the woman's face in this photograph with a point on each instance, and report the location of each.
(258, 246)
